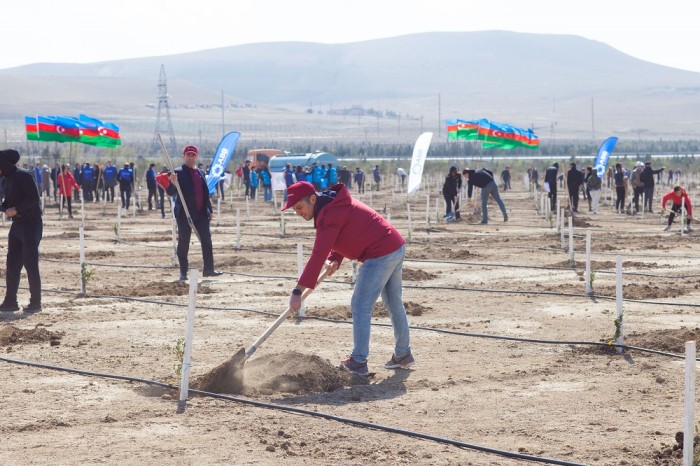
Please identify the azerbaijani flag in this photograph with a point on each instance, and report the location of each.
(68, 128)
(462, 129)
(497, 135)
(47, 129)
(32, 128)
(107, 133)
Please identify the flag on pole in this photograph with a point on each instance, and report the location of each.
(420, 152)
(221, 159)
(601, 161)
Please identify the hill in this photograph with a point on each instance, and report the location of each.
(389, 89)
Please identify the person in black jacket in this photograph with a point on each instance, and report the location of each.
(647, 177)
(550, 178)
(21, 204)
(450, 191)
(574, 180)
(193, 184)
(483, 179)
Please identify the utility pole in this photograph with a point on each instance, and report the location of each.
(165, 122)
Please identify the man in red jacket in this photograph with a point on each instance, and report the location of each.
(679, 197)
(347, 228)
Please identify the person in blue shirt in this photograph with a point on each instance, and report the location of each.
(152, 186)
(267, 184)
(300, 174)
(37, 175)
(88, 177)
(316, 175)
(125, 178)
(288, 178)
(254, 177)
(377, 176)
(360, 180)
(332, 175)
(110, 180)
(324, 177)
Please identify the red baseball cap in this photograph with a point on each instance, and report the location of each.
(190, 150)
(297, 192)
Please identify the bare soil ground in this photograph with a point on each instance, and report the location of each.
(464, 283)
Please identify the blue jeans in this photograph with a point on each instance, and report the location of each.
(491, 189)
(381, 275)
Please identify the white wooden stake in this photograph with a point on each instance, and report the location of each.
(571, 241)
(282, 224)
(689, 414)
(587, 273)
(82, 258)
(437, 211)
(238, 228)
(60, 209)
(682, 216)
(119, 221)
(561, 233)
(82, 205)
(427, 212)
(247, 208)
(189, 334)
(173, 230)
(560, 218)
(408, 209)
(618, 296)
(300, 270)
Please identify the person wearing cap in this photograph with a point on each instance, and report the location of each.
(193, 186)
(347, 228)
(125, 176)
(88, 177)
(679, 197)
(637, 185)
(21, 204)
(647, 177)
(483, 178)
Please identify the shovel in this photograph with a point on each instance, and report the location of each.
(242, 356)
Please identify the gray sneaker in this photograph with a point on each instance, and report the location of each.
(404, 362)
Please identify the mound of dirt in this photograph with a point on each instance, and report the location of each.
(645, 290)
(605, 265)
(343, 312)
(673, 454)
(234, 262)
(75, 254)
(579, 222)
(417, 275)
(148, 238)
(291, 372)
(155, 289)
(11, 335)
(669, 340)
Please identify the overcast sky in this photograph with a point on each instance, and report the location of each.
(70, 31)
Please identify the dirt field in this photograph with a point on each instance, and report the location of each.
(497, 398)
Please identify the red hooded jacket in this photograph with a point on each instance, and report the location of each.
(676, 199)
(346, 227)
(67, 180)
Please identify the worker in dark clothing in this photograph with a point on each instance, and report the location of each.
(21, 204)
(450, 191)
(550, 180)
(483, 178)
(196, 203)
(647, 177)
(125, 178)
(151, 185)
(574, 180)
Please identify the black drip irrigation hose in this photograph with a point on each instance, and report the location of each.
(379, 324)
(306, 412)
